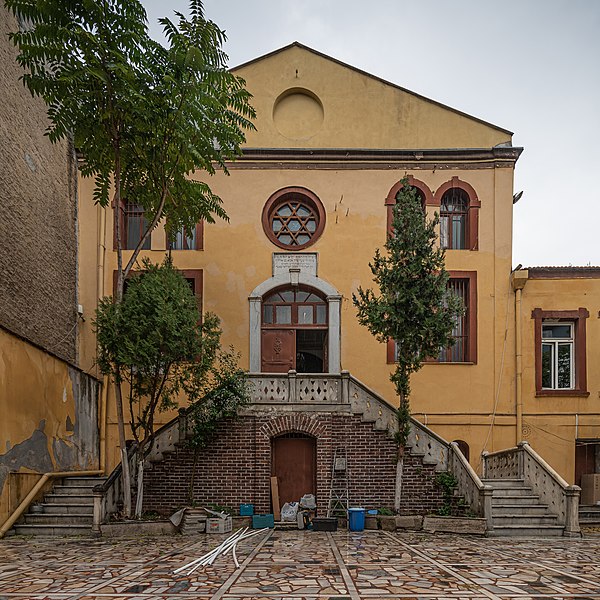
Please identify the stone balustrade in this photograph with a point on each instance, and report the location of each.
(522, 462)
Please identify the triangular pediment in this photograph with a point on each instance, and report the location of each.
(305, 99)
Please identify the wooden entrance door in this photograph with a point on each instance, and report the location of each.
(586, 453)
(294, 465)
(278, 351)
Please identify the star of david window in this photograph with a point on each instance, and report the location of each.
(293, 218)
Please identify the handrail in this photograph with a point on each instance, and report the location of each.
(12, 519)
(103, 487)
(544, 465)
(387, 404)
(467, 466)
(500, 452)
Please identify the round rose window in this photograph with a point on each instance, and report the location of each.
(293, 218)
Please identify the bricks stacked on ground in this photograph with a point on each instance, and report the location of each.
(236, 467)
(67, 510)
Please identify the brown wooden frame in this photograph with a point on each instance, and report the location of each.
(196, 275)
(472, 230)
(199, 239)
(578, 317)
(472, 324)
(123, 225)
(284, 195)
(294, 310)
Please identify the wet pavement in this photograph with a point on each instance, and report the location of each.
(302, 565)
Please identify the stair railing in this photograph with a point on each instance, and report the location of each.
(108, 495)
(37, 489)
(478, 496)
(522, 462)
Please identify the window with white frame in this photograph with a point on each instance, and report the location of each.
(558, 354)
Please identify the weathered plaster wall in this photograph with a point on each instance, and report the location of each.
(49, 414)
(38, 243)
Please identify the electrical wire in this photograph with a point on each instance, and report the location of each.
(497, 399)
(53, 348)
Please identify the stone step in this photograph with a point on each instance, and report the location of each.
(519, 509)
(589, 521)
(72, 490)
(585, 511)
(83, 481)
(521, 500)
(69, 499)
(527, 531)
(65, 509)
(58, 519)
(512, 492)
(505, 482)
(517, 520)
(54, 530)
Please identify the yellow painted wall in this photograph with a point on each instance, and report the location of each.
(49, 419)
(357, 110)
(457, 401)
(551, 424)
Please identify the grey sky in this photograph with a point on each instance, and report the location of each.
(530, 66)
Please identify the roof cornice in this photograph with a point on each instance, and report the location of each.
(499, 153)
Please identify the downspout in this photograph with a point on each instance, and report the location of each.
(518, 280)
(100, 290)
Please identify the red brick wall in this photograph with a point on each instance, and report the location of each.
(236, 467)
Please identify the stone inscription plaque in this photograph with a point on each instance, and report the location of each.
(284, 261)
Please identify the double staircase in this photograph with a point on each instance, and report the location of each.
(518, 512)
(67, 510)
(520, 494)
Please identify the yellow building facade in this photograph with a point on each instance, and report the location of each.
(310, 201)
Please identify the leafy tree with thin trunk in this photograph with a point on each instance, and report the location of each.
(156, 349)
(144, 117)
(412, 304)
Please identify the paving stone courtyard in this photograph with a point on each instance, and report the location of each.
(302, 565)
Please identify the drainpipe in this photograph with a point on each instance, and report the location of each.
(100, 292)
(518, 280)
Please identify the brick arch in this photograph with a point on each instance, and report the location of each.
(390, 199)
(302, 423)
(455, 182)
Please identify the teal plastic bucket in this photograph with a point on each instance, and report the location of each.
(356, 519)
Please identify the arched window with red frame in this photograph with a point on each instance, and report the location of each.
(422, 190)
(459, 215)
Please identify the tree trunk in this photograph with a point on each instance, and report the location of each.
(399, 469)
(140, 487)
(124, 459)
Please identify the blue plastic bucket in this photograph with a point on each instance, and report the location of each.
(356, 519)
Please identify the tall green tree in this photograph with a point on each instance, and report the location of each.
(144, 116)
(411, 305)
(156, 349)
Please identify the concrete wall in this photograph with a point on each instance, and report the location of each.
(49, 415)
(38, 253)
(48, 407)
